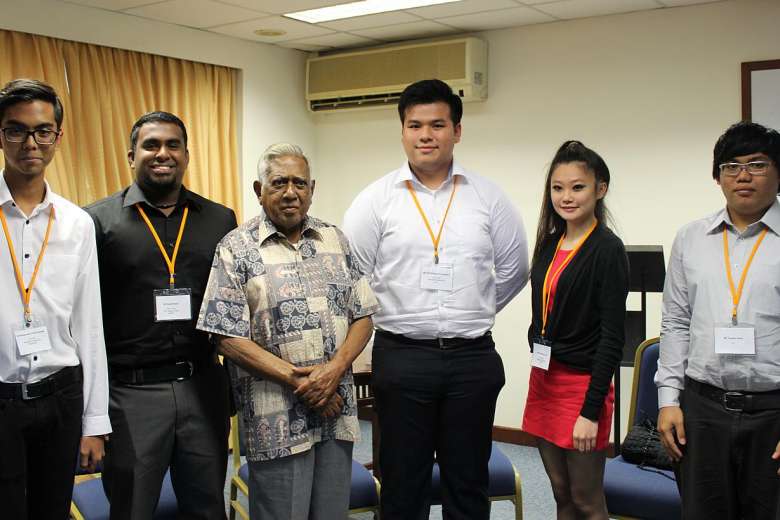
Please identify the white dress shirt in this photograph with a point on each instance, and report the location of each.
(483, 240)
(65, 298)
(697, 299)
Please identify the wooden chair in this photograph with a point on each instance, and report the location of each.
(90, 503)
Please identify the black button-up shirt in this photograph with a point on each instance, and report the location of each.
(132, 268)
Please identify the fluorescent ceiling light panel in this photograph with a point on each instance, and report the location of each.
(339, 12)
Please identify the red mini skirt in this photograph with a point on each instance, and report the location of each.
(555, 398)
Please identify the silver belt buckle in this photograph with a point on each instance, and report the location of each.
(737, 396)
(25, 394)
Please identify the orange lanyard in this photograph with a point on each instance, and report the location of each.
(171, 262)
(437, 238)
(736, 295)
(548, 279)
(26, 292)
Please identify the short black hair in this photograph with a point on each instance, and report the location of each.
(156, 117)
(745, 138)
(430, 91)
(26, 90)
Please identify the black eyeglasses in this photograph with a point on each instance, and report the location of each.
(20, 135)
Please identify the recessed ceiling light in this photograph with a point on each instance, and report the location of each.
(350, 10)
(270, 32)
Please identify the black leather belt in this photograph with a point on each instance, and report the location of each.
(440, 343)
(178, 371)
(46, 386)
(736, 401)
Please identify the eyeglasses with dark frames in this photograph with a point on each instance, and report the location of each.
(42, 136)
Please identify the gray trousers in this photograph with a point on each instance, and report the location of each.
(313, 485)
(182, 425)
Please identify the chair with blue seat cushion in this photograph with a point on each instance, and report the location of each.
(631, 491)
(90, 502)
(504, 481)
(363, 491)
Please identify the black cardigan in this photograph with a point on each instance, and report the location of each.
(587, 322)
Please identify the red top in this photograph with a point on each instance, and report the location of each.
(557, 261)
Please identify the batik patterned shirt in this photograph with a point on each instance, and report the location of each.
(296, 301)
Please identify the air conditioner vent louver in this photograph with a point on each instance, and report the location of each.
(376, 77)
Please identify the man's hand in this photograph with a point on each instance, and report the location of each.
(320, 385)
(670, 425)
(776, 455)
(584, 435)
(91, 452)
(333, 407)
(300, 377)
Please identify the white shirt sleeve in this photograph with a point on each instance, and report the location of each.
(675, 330)
(362, 228)
(511, 251)
(87, 330)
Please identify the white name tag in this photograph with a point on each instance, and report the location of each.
(172, 305)
(437, 276)
(540, 357)
(30, 340)
(735, 340)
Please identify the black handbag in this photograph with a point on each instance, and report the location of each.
(642, 446)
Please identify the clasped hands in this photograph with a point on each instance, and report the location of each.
(316, 386)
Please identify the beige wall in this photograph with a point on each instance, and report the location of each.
(650, 91)
(272, 78)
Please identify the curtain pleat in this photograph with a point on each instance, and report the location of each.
(104, 90)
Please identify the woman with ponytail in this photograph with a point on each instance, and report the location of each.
(579, 281)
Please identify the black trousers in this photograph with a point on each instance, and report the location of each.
(727, 472)
(39, 443)
(430, 401)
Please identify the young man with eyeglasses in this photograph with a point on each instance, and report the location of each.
(53, 377)
(719, 372)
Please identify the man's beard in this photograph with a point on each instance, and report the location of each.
(158, 189)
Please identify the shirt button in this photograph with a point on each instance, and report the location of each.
(35, 358)
(26, 221)
(27, 255)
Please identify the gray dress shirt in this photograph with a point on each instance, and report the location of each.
(697, 299)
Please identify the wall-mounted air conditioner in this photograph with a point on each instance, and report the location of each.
(376, 77)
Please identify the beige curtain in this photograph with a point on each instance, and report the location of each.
(28, 56)
(105, 90)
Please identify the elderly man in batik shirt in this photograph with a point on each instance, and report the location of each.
(290, 310)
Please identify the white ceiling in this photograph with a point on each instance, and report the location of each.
(241, 18)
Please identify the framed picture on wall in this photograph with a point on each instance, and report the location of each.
(761, 92)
